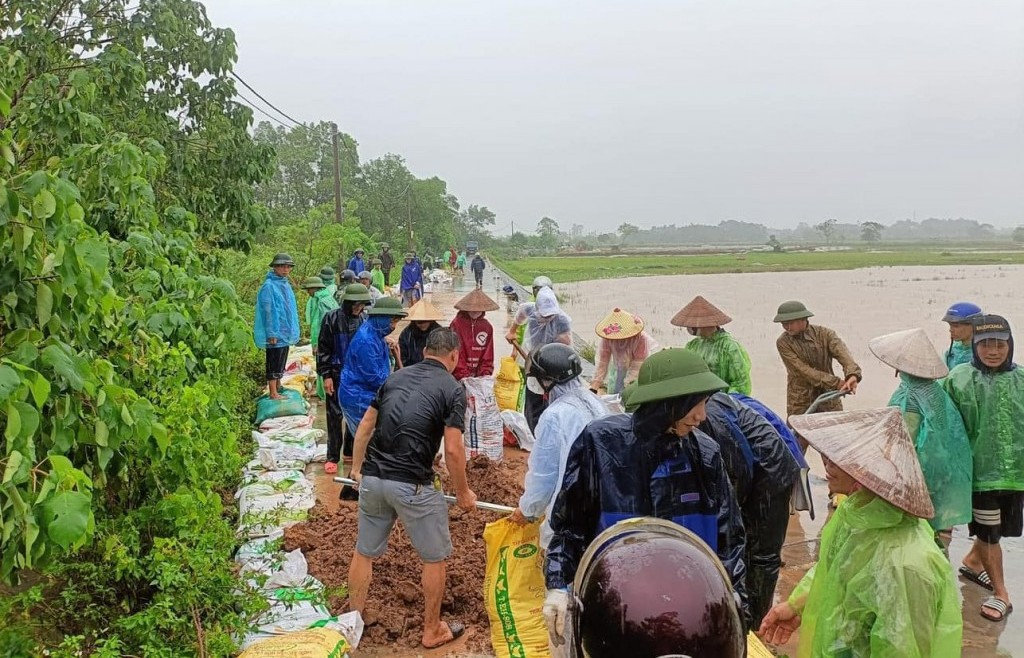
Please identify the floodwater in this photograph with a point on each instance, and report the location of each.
(859, 305)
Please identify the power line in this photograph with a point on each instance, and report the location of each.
(252, 105)
(249, 87)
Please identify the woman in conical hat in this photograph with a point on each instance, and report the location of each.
(881, 587)
(623, 347)
(476, 335)
(934, 423)
(423, 318)
(719, 349)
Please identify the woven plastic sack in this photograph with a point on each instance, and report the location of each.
(291, 404)
(484, 433)
(515, 423)
(314, 643)
(286, 423)
(514, 590)
(508, 384)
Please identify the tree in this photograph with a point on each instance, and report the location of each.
(548, 232)
(827, 229)
(871, 231)
(384, 184)
(1018, 234)
(774, 243)
(474, 222)
(626, 229)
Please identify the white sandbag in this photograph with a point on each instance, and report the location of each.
(516, 423)
(484, 429)
(262, 555)
(320, 454)
(286, 423)
(298, 435)
(264, 507)
(284, 618)
(294, 570)
(289, 445)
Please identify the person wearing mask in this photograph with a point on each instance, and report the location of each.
(540, 282)
(719, 349)
(934, 424)
(571, 407)
(476, 335)
(366, 278)
(881, 587)
(478, 270)
(423, 318)
(357, 263)
(368, 360)
(412, 281)
(387, 263)
(337, 328)
(655, 462)
(545, 323)
(276, 326)
(414, 413)
(377, 276)
(989, 394)
(623, 346)
(958, 317)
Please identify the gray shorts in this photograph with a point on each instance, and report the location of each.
(422, 509)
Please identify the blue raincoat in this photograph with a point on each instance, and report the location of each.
(277, 315)
(367, 366)
(357, 264)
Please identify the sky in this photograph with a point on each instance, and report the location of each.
(665, 112)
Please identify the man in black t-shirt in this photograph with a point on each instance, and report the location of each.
(393, 461)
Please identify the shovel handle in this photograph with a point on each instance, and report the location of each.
(489, 507)
(519, 348)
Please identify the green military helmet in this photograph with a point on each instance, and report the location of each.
(670, 374)
(792, 310)
(313, 282)
(327, 274)
(409, 255)
(388, 306)
(385, 246)
(357, 292)
(282, 259)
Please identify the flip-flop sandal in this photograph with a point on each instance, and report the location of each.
(330, 468)
(999, 605)
(977, 577)
(456, 628)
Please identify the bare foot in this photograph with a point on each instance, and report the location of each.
(276, 396)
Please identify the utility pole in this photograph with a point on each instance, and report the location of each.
(338, 214)
(408, 209)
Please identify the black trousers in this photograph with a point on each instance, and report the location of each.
(387, 277)
(335, 429)
(766, 520)
(533, 406)
(277, 359)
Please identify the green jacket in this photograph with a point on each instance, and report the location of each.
(942, 447)
(377, 279)
(992, 406)
(881, 588)
(958, 353)
(316, 306)
(726, 358)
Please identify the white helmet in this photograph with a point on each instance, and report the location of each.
(542, 282)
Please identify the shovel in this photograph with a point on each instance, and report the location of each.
(489, 507)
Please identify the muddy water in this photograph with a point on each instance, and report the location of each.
(858, 304)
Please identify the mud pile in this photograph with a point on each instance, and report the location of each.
(394, 614)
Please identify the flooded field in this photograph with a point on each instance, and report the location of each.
(859, 305)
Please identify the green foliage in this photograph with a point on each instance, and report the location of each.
(1018, 234)
(871, 231)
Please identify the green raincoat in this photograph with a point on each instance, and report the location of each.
(958, 353)
(316, 307)
(726, 358)
(377, 279)
(942, 447)
(881, 588)
(992, 406)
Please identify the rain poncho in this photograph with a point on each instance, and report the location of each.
(277, 315)
(881, 588)
(726, 358)
(357, 264)
(412, 274)
(460, 262)
(942, 447)
(618, 361)
(992, 406)
(572, 407)
(957, 353)
(618, 468)
(367, 366)
(544, 320)
(317, 306)
(377, 279)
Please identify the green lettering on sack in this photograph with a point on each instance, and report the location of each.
(504, 607)
(525, 551)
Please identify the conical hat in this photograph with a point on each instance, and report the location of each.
(477, 301)
(700, 313)
(911, 352)
(619, 325)
(424, 311)
(874, 447)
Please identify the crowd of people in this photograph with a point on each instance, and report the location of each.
(693, 448)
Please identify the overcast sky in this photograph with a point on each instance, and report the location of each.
(674, 111)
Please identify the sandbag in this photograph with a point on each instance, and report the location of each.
(484, 430)
(286, 423)
(264, 507)
(291, 404)
(314, 643)
(508, 384)
(514, 590)
(283, 618)
(515, 423)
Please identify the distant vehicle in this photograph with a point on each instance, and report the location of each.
(471, 247)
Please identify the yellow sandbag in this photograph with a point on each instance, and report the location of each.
(514, 590)
(314, 643)
(300, 381)
(756, 648)
(507, 384)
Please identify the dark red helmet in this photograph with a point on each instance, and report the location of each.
(648, 588)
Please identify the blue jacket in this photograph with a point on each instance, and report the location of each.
(412, 273)
(357, 265)
(780, 426)
(612, 474)
(367, 366)
(277, 316)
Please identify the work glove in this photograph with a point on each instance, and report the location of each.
(556, 608)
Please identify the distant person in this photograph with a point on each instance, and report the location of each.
(807, 351)
(366, 278)
(540, 282)
(989, 393)
(545, 323)
(328, 276)
(622, 346)
(348, 277)
(377, 276)
(423, 319)
(478, 270)
(357, 263)
(958, 317)
(719, 349)
(476, 335)
(460, 263)
(320, 302)
(412, 281)
(452, 258)
(387, 262)
(881, 587)
(414, 411)
(277, 320)
(368, 360)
